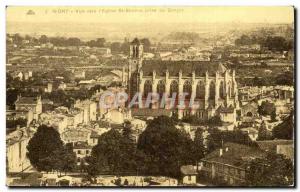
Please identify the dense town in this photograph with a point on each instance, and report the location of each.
(242, 134)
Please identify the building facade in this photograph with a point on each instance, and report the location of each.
(210, 85)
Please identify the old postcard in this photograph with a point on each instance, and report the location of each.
(150, 96)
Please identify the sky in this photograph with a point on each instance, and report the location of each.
(220, 14)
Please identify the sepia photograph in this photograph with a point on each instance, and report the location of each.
(150, 96)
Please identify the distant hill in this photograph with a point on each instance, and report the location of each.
(182, 37)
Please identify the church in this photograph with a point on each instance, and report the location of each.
(211, 84)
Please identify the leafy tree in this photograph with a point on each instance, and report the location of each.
(273, 116)
(199, 148)
(285, 129)
(286, 78)
(273, 170)
(115, 47)
(114, 153)
(214, 121)
(263, 133)
(258, 81)
(192, 119)
(43, 148)
(146, 44)
(165, 147)
(44, 39)
(266, 108)
(67, 160)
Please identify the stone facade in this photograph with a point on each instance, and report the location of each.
(210, 84)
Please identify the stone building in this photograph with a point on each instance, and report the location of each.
(33, 104)
(16, 143)
(207, 83)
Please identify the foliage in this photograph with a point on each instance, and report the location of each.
(266, 108)
(263, 133)
(275, 43)
(199, 148)
(192, 119)
(286, 78)
(285, 129)
(217, 138)
(165, 147)
(146, 44)
(46, 151)
(273, 170)
(114, 153)
(214, 121)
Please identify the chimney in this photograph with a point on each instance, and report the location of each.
(221, 152)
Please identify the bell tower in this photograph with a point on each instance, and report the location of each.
(135, 55)
(135, 61)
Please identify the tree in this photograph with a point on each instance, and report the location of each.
(43, 148)
(115, 47)
(286, 78)
(166, 148)
(262, 133)
(199, 148)
(114, 154)
(266, 108)
(273, 170)
(146, 44)
(44, 39)
(273, 116)
(214, 121)
(66, 160)
(285, 129)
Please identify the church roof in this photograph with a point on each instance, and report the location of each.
(187, 67)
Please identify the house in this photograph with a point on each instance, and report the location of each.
(82, 150)
(229, 163)
(16, 143)
(189, 175)
(89, 109)
(14, 115)
(74, 135)
(278, 146)
(249, 110)
(56, 120)
(30, 103)
(227, 114)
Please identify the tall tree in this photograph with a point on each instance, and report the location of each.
(273, 170)
(43, 148)
(285, 130)
(165, 147)
(114, 153)
(199, 148)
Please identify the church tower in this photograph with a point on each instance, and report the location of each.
(135, 61)
(135, 55)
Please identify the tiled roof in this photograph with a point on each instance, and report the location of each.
(187, 67)
(27, 100)
(237, 155)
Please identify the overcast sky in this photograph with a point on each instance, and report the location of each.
(151, 14)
